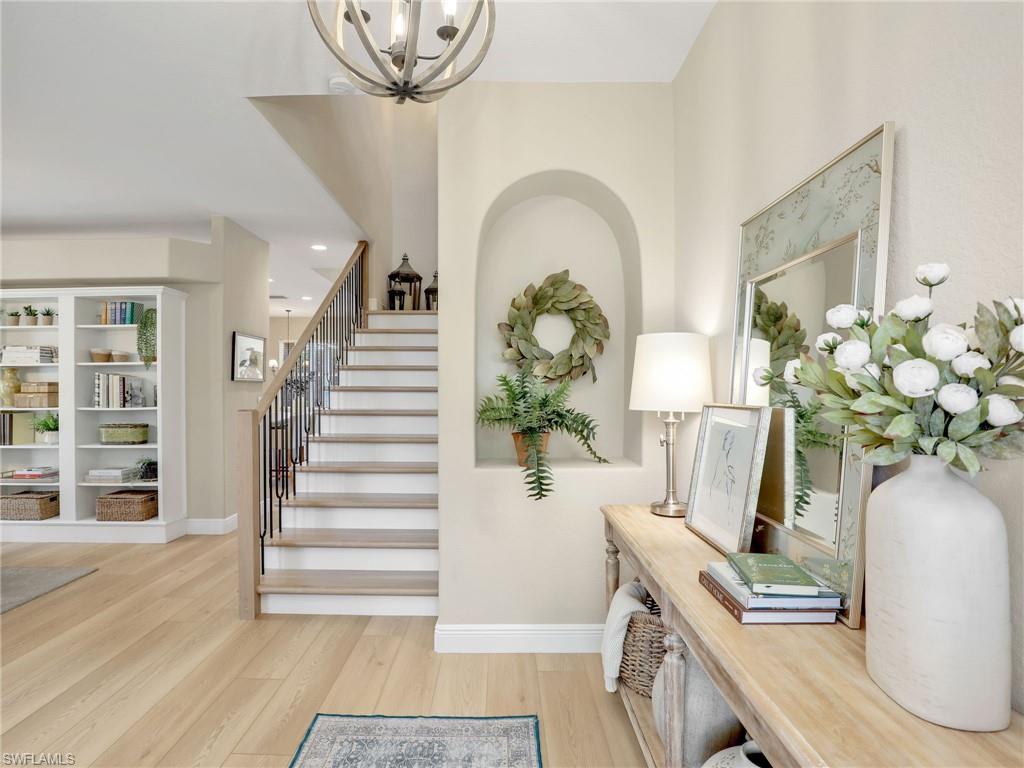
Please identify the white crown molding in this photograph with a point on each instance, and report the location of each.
(211, 526)
(517, 638)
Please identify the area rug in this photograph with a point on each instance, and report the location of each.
(375, 741)
(19, 584)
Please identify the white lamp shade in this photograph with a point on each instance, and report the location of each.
(671, 372)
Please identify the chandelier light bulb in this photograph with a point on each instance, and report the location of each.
(448, 8)
(399, 30)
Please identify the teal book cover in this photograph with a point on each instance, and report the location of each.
(772, 574)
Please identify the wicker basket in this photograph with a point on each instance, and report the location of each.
(124, 434)
(126, 506)
(642, 652)
(30, 505)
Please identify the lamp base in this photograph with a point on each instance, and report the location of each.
(668, 509)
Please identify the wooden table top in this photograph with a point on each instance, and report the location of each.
(802, 691)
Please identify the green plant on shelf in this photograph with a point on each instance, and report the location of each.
(48, 312)
(29, 310)
(146, 342)
(147, 468)
(48, 423)
(14, 313)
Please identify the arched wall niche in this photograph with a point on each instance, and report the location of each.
(540, 224)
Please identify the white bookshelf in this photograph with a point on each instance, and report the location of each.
(77, 331)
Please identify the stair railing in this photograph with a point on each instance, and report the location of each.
(274, 436)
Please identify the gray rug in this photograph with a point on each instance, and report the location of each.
(374, 741)
(19, 585)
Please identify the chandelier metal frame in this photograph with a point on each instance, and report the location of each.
(395, 75)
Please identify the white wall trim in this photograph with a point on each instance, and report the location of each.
(211, 526)
(517, 638)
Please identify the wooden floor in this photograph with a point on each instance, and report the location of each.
(144, 663)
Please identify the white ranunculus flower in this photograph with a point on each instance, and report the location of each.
(841, 316)
(967, 363)
(1017, 338)
(973, 342)
(853, 355)
(932, 274)
(762, 376)
(827, 342)
(913, 308)
(1013, 381)
(957, 398)
(1002, 411)
(945, 341)
(864, 317)
(789, 374)
(916, 378)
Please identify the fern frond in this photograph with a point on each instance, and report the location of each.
(581, 427)
(537, 471)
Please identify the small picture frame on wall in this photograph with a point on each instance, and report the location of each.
(726, 477)
(248, 357)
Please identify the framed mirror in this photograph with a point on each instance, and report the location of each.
(823, 243)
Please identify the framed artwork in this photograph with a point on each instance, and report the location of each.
(726, 475)
(248, 357)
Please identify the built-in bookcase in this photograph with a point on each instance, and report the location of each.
(79, 329)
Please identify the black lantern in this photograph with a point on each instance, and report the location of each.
(402, 276)
(431, 293)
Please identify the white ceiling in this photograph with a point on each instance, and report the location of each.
(132, 117)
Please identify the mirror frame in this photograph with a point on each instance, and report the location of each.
(872, 244)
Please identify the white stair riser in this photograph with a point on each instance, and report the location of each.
(380, 400)
(350, 605)
(342, 517)
(389, 378)
(380, 425)
(331, 482)
(403, 320)
(397, 356)
(397, 339)
(373, 451)
(356, 559)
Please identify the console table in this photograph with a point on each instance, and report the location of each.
(801, 691)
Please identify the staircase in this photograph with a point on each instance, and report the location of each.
(349, 523)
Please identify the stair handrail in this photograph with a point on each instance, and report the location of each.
(274, 436)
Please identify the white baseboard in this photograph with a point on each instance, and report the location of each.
(351, 605)
(517, 638)
(211, 526)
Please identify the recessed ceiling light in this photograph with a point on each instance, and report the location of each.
(318, 247)
(307, 298)
(270, 279)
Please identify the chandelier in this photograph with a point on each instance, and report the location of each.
(408, 68)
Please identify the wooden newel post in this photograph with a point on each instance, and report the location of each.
(247, 488)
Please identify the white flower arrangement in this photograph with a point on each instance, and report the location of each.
(902, 387)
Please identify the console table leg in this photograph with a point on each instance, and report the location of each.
(611, 571)
(674, 671)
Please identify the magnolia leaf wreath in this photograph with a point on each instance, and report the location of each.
(557, 295)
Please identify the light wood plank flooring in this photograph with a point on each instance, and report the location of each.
(144, 663)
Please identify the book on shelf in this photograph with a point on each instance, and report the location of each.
(19, 354)
(120, 312)
(34, 473)
(731, 582)
(772, 574)
(763, 615)
(116, 390)
(108, 475)
(6, 428)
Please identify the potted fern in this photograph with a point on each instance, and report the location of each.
(533, 410)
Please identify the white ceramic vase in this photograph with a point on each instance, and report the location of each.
(747, 755)
(938, 598)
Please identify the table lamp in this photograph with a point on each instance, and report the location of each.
(671, 375)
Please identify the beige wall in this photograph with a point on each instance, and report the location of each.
(772, 91)
(504, 557)
(278, 332)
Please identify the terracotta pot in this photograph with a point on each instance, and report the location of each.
(517, 437)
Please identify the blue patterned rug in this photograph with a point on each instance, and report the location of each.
(375, 741)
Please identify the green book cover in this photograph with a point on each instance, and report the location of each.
(772, 574)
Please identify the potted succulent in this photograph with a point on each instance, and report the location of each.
(147, 468)
(533, 410)
(29, 315)
(47, 429)
(14, 317)
(46, 316)
(940, 396)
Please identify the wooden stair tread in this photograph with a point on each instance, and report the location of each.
(355, 538)
(387, 367)
(354, 437)
(378, 412)
(363, 500)
(373, 467)
(313, 582)
(396, 348)
(397, 330)
(380, 388)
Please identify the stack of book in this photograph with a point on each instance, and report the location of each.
(769, 589)
(115, 390)
(14, 354)
(34, 473)
(111, 475)
(120, 312)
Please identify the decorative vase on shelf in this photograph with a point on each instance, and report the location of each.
(47, 438)
(10, 385)
(938, 598)
(747, 755)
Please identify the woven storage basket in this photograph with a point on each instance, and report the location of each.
(642, 652)
(126, 506)
(30, 505)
